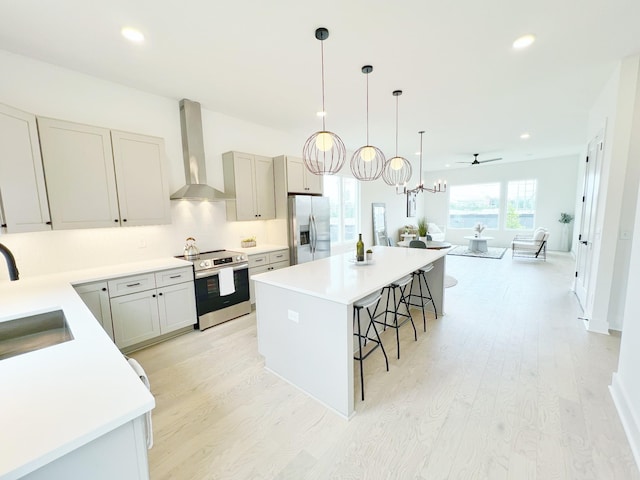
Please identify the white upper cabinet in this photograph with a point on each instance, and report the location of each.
(301, 180)
(93, 185)
(78, 163)
(143, 190)
(249, 178)
(23, 196)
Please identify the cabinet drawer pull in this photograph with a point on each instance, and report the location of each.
(175, 276)
(259, 260)
(133, 284)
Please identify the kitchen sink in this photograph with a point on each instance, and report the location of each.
(33, 332)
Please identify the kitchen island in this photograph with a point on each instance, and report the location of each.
(304, 316)
(75, 409)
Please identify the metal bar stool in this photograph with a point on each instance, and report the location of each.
(358, 305)
(421, 276)
(399, 286)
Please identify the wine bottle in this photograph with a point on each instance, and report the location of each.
(360, 249)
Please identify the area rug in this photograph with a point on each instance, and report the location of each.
(463, 250)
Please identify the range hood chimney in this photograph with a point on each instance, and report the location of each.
(193, 152)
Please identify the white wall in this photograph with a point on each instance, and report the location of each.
(47, 90)
(617, 108)
(556, 190)
(625, 387)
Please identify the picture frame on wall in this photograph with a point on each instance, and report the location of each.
(411, 204)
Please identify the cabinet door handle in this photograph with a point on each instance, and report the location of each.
(124, 219)
(48, 223)
(133, 284)
(104, 289)
(154, 295)
(116, 220)
(4, 225)
(160, 294)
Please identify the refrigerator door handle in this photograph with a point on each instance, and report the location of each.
(313, 233)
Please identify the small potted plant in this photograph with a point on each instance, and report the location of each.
(565, 240)
(422, 229)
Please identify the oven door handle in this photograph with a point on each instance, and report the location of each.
(211, 273)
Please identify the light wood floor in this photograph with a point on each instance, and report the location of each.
(508, 385)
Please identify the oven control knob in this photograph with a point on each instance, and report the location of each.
(203, 264)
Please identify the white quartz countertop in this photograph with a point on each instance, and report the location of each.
(339, 279)
(59, 398)
(260, 249)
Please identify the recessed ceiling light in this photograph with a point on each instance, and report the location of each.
(447, 165)
(132, 34)
(417, 153)
(524, 41)
(525, 135)
(321, 114)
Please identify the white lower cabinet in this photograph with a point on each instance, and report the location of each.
(146, 306)
(135, 318)
(266, 262)
(95, 295)
(138, 308)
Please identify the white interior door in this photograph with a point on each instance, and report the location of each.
(584, 253)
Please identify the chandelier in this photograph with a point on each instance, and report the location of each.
(323, 152)
(438, 187)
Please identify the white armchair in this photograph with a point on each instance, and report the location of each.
(435, 232)
(534, 246)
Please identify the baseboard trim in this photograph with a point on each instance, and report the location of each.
(630, 423)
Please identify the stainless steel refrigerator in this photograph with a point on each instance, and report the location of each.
(309, 228)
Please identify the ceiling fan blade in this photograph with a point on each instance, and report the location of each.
(490, 160)
(464, 162)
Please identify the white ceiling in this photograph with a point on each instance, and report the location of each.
(259, 60)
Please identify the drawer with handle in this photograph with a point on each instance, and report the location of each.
(132, 284)
(258, 260)
(279, 256)
(174, 276)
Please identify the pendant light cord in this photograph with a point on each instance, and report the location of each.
(367, 109)
(396, 125)
(421, 182)
(324, 111)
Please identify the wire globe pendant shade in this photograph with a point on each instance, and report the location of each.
(397, 170)
(367, 163)
(323, 152)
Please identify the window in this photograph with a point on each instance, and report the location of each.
(471, 204)
(521, 204)
(344, 199)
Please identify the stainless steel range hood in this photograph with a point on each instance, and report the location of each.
(193, 152)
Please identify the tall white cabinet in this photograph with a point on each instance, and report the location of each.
(23, 196)
(99, 178)
(250, 179)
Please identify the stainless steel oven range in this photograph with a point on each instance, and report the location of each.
(214, 308)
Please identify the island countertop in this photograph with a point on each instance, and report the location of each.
(339, 279)
(59, 398)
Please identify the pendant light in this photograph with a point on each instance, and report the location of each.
(397, 170)
(437, 187)
(323, 152)
(367, 162)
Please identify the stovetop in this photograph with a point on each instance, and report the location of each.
(217, 259)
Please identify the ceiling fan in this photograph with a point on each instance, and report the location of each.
(478, 162)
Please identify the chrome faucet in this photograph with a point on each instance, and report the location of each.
(11, 263)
